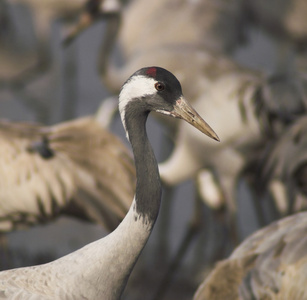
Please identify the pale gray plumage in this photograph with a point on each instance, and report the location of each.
(101, 269)
(76, 168)
(271, 264)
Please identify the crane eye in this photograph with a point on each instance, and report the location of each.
(159, 86)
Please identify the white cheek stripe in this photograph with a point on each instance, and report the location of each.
(136, 87)
(164, 112)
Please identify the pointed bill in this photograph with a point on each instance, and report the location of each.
(185, 111)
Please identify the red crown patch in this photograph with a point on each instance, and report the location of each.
(152, 72)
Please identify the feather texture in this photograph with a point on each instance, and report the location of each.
(270, 264)
(76, 167)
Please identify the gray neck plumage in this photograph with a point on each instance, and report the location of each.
(118, 252)
(148, 187)
(134, 231)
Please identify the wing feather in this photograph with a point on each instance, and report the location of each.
(43, 169)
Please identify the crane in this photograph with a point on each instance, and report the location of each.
(194, 48)
(269, 264)
(190, 49)
(101, 269)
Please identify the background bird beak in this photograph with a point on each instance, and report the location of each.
(185, 111)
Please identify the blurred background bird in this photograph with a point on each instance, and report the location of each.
(283, 171)
(269, 264)
(49, 170)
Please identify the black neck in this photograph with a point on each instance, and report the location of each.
(148, 187)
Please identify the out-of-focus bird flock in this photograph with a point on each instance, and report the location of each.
(243, 66)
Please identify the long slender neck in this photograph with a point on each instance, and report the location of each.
(148, 187)
(134, 231)
(115, 255)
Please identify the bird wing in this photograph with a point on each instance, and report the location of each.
(43, 168)
(280, 260)
(105, 172)
(270, 264)
(32, 188)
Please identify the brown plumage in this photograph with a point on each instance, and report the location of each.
(77, 168)
(270, 264)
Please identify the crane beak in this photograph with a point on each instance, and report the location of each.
(185, 111)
